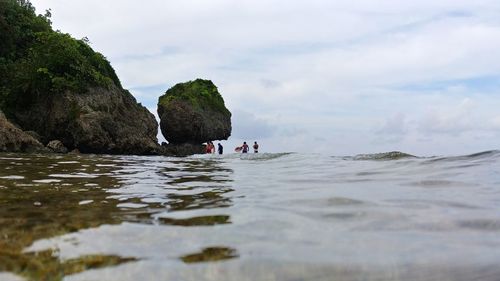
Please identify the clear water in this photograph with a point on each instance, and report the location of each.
(249, 217)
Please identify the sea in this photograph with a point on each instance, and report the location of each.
(268, 216)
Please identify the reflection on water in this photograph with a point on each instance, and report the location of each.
(249, 217)
(44, 196)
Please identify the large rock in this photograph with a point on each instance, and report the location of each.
(97, 121)
(184, 149)
(13, 139)
(57, 146)
(194, 112)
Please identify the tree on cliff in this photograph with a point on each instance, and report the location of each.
(61, 89)
(35, 60)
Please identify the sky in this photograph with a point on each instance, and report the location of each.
(321, 76)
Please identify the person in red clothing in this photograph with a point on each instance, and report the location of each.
(210, 148)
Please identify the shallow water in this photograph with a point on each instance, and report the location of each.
(249, 217)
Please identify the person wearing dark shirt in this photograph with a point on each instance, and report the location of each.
(255, 147)
(244, 147)
(220, 149)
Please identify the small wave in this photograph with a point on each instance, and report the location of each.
(484, 154)
(481, 224)
(263, 156)
(393, 155)
(475, 156)
(242, 156)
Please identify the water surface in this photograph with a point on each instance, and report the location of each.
(249, 217)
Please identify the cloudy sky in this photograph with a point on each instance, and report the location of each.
(336, 77)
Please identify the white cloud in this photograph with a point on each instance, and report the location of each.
(394, 130)
(454, 121)
(495, 122)
(248, 126)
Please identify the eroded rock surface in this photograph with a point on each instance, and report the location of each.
(194, 112)
(97, 121)
(13, 139)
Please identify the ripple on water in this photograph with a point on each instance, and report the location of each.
(481, 224)
(347, 216)
(85, 202)
(13, 177)
(178, 214)
(344, 201)
(47, 181)
(131, 205)
(439, 184)
(415, 203)
(75, 175)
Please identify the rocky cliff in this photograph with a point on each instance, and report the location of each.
(97, 121)
(60, 88)
(13, 139)
(194, 112)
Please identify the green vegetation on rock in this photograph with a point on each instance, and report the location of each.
(194, 112)
(201, 94)
(36, 61)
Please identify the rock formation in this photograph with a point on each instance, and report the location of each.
(62, 89)
(13, 139)
(194, 112)
(59, 88)
(184, 149)
(57, 146)
(97, 121)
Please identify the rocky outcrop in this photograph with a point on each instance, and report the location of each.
(13, 139)
(97, 121)
(61, 89)
(57, 146)
(194, 112)
(184, 149)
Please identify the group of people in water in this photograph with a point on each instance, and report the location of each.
(244, 148)
(210, 148)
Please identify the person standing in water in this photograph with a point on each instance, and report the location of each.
(255, 147)
(220, 149)
(244, 147)
(210, 148)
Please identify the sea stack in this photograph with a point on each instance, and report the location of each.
(192, 113)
